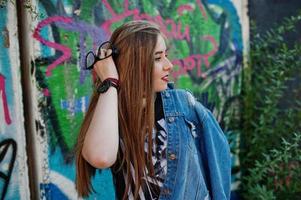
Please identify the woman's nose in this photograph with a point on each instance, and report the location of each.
(168, 65)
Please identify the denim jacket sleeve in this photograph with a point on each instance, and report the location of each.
(215, 153)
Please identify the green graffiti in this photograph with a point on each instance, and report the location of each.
(201, 48)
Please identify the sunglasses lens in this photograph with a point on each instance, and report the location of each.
(106, 45)
(90, 60)
(105, 50)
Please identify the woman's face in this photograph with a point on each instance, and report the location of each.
(163, 66)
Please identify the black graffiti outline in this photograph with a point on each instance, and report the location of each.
(4, 146)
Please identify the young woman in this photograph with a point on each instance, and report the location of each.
(159, 142)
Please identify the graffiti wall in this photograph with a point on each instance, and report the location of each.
(206, 47)
(13, 166)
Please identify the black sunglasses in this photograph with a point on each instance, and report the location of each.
(109, 50)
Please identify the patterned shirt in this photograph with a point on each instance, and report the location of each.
(159, 136)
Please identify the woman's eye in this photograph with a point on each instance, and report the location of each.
(157, 59)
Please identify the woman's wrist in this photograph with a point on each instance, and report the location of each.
(107, 83)
(109, 77)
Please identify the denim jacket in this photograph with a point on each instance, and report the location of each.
(198, 162)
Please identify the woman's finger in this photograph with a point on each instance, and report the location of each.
(101, 53)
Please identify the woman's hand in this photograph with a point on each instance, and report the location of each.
(105, 68)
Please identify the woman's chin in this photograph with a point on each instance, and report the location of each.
(161, 88)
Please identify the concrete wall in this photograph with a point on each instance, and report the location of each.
(206, 46)
(13, 158)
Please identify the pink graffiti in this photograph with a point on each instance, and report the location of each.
(188, 64)
(213, 51)
(181, 8)
(65, 50)
(46, 92)
(175, 31)
(192, 61)
(202, 9)
(109, 8)
(168, 26)
(4, 100)
(117, 17)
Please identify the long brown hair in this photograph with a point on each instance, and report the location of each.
(135, 41)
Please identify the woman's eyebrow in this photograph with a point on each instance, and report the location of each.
(160, 52)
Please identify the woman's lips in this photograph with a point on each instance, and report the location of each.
(165, 78)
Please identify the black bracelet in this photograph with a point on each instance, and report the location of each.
(106, 84)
